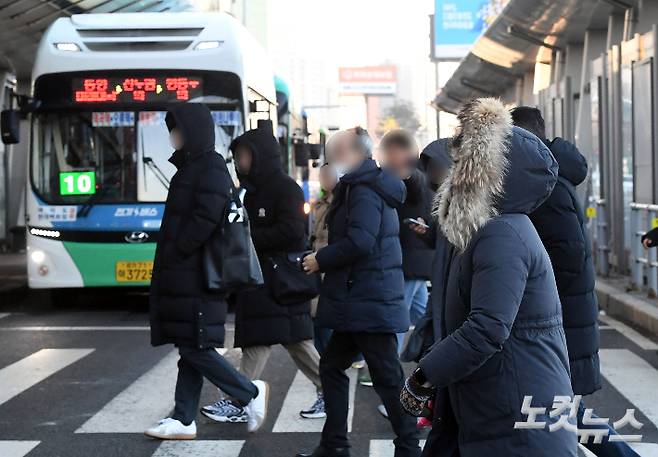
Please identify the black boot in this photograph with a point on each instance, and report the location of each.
(321, 451)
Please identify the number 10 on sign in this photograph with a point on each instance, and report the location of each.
(77, 183)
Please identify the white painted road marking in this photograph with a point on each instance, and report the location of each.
(385, 448)
(630, 333)
(634, 378)
(301, 395)
(224, 448)
(4, 315)
(16, 448)
(143, 403)
(20, 376)
(139, 406)
(107, 328)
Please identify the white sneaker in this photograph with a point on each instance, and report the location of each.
(257, 408)
(171, 429)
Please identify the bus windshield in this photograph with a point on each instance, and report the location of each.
(126, 152)
(96, 138)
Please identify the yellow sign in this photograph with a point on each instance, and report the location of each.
(591, 212)
(128, 271)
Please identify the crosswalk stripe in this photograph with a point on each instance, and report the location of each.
(199, 448)
(634, 378)
(31, 370)
(104, 328)
(385, 448)
(142, 403)
(646, 449)
(630, 333)
(3, 315)
(301, 395)
(16, 448)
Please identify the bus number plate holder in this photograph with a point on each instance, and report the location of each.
(133, 271)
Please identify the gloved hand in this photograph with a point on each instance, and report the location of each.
(415, 397)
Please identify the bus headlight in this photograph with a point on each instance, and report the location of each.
(69, 47)
(203, 45)
(38, 256)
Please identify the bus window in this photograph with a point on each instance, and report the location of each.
(102, 143)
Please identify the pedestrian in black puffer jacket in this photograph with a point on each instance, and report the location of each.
(561, 225)
(183, 311)
(275, 204)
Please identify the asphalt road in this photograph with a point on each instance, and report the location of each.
(83, 381)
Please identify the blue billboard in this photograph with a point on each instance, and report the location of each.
(457, 24)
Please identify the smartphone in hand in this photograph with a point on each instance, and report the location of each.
(412, 221)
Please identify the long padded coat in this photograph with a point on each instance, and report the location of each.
(275, 204)
(182, 311)
(561, 225)
(503, 317)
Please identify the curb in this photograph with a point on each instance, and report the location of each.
(626, 306)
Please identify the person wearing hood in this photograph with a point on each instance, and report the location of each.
(400, 156)
(505, 340)
(562, 227)
(275, 204)
(182, 311)
(435, 162)
(362, 294)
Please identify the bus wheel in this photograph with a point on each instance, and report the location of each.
(63, 297)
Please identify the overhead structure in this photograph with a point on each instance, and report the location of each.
(23, 22)
(521, 35)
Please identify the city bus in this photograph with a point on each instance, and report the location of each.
(98, 172)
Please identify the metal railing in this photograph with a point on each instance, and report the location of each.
(602, 236)
(644, 263)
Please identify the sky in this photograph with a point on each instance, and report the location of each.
(352, 32)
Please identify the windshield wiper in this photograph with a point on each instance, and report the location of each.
(157, 171)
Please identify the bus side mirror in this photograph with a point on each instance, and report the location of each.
(301, 154)
(10, 126)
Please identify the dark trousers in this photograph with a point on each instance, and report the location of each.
(606, 448)
(381, 354)
(321, 338)
(194, 365)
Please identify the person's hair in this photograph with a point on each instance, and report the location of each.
(529, 118)
(400, 138)
(363, 141)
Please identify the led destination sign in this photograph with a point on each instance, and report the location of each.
(136, 89)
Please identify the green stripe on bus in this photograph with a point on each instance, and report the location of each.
(97, 261)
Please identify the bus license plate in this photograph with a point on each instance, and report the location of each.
(134, 271)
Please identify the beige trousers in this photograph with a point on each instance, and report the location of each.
(304, 355)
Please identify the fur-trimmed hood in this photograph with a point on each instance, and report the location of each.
(497, 169)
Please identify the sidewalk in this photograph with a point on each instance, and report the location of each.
(13, 274)
(632, 307)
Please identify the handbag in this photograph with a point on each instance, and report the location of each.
(290, 284)
(230, 261)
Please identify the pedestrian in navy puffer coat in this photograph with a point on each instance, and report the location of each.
(363, 287)
(503, 317)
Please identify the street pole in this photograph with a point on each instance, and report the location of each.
(438, 110)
